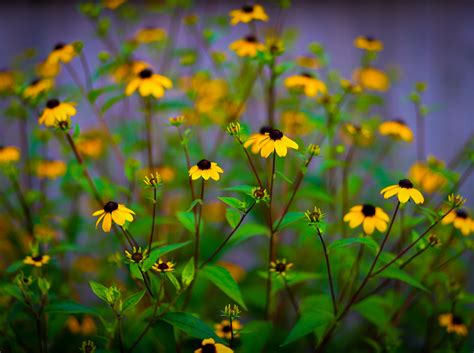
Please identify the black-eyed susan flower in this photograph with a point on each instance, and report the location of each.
(113, 4)
(38, 87)
(296, 123)
(153, 180)
(280, 267)
(86, 326)
(149, 35)
(368, 43)
(210, 346)
(369, 216)
(113, 211)
(224, 330)
(310, 85)
(136, 255)
(50, 169)
(7, 80)
(176, 120)
(147, 83)
(205, 169)
(248, 13)
(397, 129)
(404, 190)
(308, 62)
(163, 266)
(371, 78)
(56, 111)
(254, 139)
(247, 46)
(427, 174)
(36, 260)
(453, 324)
(9, 154)
(129, 70)
(62, 53)
(460, 220)
(276, 141)
(48, 69)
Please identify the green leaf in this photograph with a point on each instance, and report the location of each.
(132, 300)
(375, 309)
(194, 204)
(157, 253)
(189, 324)
(342, 243)
(174, 281)
(254, 336)
(96, 93)
(246, 189)
(399, 274)
(247, 231)
(288, 180)
(233, 202)
(15, 266)
(187, 220)
(225, 282)
(187, 275)
(290, 217)
(109, 103)
(99, 290)
(70, 307)
(308, 322)
(233, 217)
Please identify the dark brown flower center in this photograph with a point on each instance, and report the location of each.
(265, 129)
(259, 193)
(400, 121)
(145, 73)
(110, 206)
(306, 74)
(368, 210)
(247, 8)
(226, 328)
(405, 183)
(251, 39)
(52, 103)
(280, 267)
(461, 213)
(163, 266)
(457, 320)
(204, 164)
(276, 134)
(37, 258)
(59, 46)
(370, 38)
(137, 256)
(35, 82)
(208, 348)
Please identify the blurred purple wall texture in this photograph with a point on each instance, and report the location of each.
(430, 41)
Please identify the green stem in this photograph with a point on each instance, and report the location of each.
(328, 267)
(150, 241)
(271, 247)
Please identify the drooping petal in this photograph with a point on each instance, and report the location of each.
(98, 213)
(280, 148)
(389, 188)
(98, 220)
(123, 208)
(369, 225)
(391, 192)
(403, 195)
(118, 217)
(417, 196)
(107, 223)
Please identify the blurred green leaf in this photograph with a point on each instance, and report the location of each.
(132, 301)
(254, 336)
(342, 243)
(290, 218)
(399, 274)
(70, 307)
(233, 217)
(190, 325)
(187, 275)
(220, 277)
(307, 323)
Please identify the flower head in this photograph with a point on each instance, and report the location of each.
(36, 260)
(308, 62)
(176, 120)
(456, 201)
(113, 211)
(397, 129)
(280, 267)
(350, 87)
(163, 266)
(314, 149)
(149, 35)
(38, 87)
(113, 4)
(275, 141)
(62, 53)
(210, 346)
(453, 324)
(148, 83)
(248, 13)
(205, 169)
(51, 169)
(404, 190)
(254, 139)
(356, 134)
(371, 78)
(315, 216)
(368, 43)
(247, 46)
(56, 112)
(153, 180)
(428, 178)
(128, 71)
(136, 255)
(7, 80)
(47, 69)
(89, 346)
(461, 220)
(233, 128)
(224, 330)
(309, 84)
(260, 195)
(369, 216)
(9, 154)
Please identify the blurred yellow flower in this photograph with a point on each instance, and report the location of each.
(223, 329)
(113, 211)
(51, 169)
(428, 179)
(368, 43)
(113, 4)
(310, 85)
(247, 46)
(205, 169)
(48, 69)
(45, 232)
(9, 154)
(453, 324)
(36, 260)
(7, 80)
(126, 72)
(357, 135)
(275, 141)
(308, 62)
(371, 78)
(369, 216)
(460, 220)
(149, 35)
(38, 87)
(236, 271)
(56, 111)
(350, 87)
(214, 211)
(209, 345)
(397, 129)
(248, 13)
(148, 84)
(296, 123)
(404, 190)
(176, 120)
(254, 139)
(86, 327)
(62, 53)
(91, 144)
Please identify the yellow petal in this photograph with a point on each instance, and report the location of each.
(403, 195)
(118, 217)
(107, 223)
(98, 213)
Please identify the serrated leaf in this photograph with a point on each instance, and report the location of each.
(220, 277)
(132, 300)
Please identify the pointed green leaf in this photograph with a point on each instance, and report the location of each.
(225, 282)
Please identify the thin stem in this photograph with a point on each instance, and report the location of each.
(345, 187)
(252, 165)
(145, 281)
(198, 235)
(120, 333)
(149, 131)
(271, 247)
(293, 301)
(328, 266)
(86, 70)
(188, 162)
(24, 204)
(231, 343)
(150, 241)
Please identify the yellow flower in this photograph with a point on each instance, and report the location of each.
(148, 84)
(47, 69)
(205, 169)
(223, 329)
(113, 211)
(9, 154)
(355, 134)
(126, 72)
(254, 139)
(62, 53)
(176, 120)
(248, 13)
(90, 144)
(56, 111)
(309, 84)
(368, 43)
(152, 181)
(397, 129)
(6, 80)
(37, 260)
(149, 35)
(371, 78)
(453, 324)
(247, 46)
(296, 123)
(86, 327)
(280, 267)
(210, 346)
(113, 4)
(369, 216)
(51, 169)
(273, 141)
(404, 190)
(428, 179)
(162, 266)
(38, 87)
(136, 255)
(350, 87)
(308, 62)
(460, 220)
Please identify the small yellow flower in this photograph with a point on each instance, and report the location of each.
(38, 87)
(9, 154)
(223, 329)
(430, 180)
(56, 111)
(280, 267)
(126, 72)
(350, 87)
(248, 13)
(210, 346)
(90, 144)
(162, 266)
(309, 84)
(113, 211)
(149, 35)
(460, 220)
(275, 141)
(62, 53)
(136, 255)
(397, 129)
(368, 43)
(308, 62)
(37, 260)
(51, 169)
(113, 4)
(86, 327)
(7, 80)
(44, 232)
(296, 123)
(47, 69)
(404, 190)
(153, 181)
(247, 46)
(205, 169)
(453, 324)
(369, 216)
(371, 78)
(176, 120)
(148, 84)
